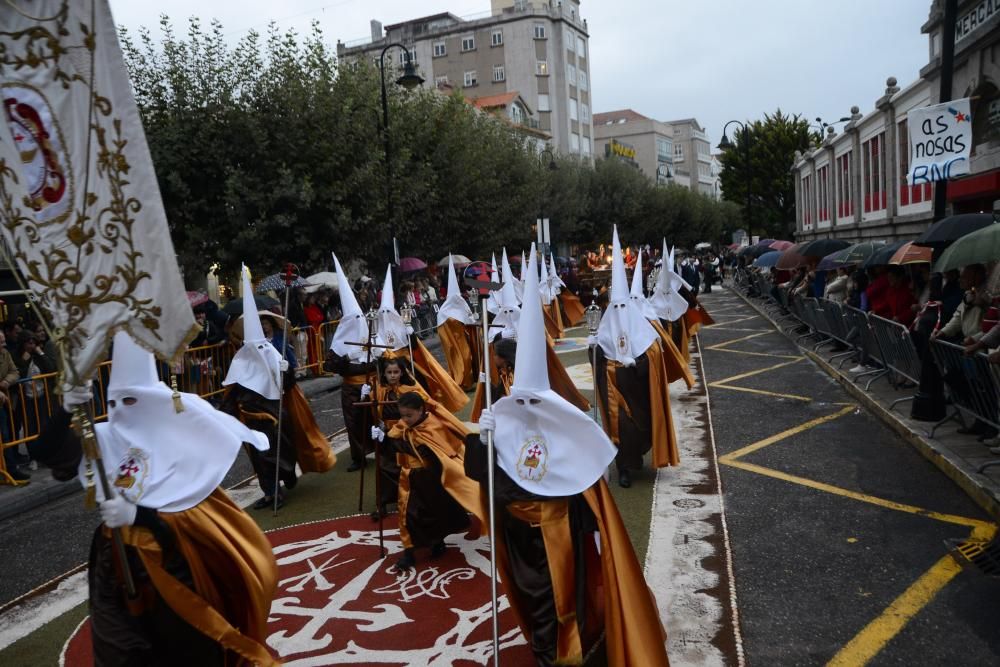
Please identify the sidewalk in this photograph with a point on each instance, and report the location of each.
(958, 456)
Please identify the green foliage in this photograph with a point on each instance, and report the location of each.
(773, 143)
(270, 151)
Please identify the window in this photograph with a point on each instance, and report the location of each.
(574, 142)
(586, 146)
(517, 113)
(873, 152)
(570, 39)
(823, 190)
(703, 171)
(498, 73)
(678, 152)
(909, 194)
(542, 68)
(571, 74)
(573, 110)
(404, 58)
(807, 218)
(441, 80)
(469, 43)
(496, 38)
(585, 113)
(581, 47)
(663, 150)
(470, 78)
(581, 78)
(543, 102)
(702, 148)
(539, 31)
(845, 179)
(440, 49)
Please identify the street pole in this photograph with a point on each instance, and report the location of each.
(725, 145)
(543, 245)
(944, 93)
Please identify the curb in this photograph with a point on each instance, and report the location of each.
(28, 498)
(953, 466)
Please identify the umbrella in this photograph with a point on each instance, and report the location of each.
(765, 242)
(767, 260)
(410, 264)
(882, 256)
(912, 254)
(276, 282)
(235, 306)
(791, 259)
(734, 246)
(196, 298)
(702, 246)
(237, 329)
(979, 247)
(323, 279)
(822, 247)
(460, 260)
(760, 251)
(781, 245)
(954, 227)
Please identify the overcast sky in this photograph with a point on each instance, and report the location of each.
(668, 59)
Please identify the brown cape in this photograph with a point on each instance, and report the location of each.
(553, 320)
(573, 311)
(462, 350)
(436, 380)
(677, 368)
(313, 450)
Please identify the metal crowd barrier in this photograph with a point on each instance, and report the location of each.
(971, 381)
(898, 351)
(864, 340)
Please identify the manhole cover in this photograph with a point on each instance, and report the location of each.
(689, 503)
(982, 555)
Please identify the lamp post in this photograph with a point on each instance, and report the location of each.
(823, 124)
(542, 243)
(663, 171)
(725, 145)
(409, 80)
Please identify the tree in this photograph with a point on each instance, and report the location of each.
(773, 143)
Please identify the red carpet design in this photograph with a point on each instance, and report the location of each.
(339, 604)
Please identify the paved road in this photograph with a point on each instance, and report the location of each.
(837, 526)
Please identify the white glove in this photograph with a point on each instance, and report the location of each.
(74, 396)
(118, 512)
(482, 378)
(409, 330)
(487, 422)
(378, 434)
(366, 391)
(283, 366)
(592, 341)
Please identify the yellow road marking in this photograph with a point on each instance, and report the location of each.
(742, 376)
(760, 444)
(738, 340)
(739, 319)
(760, 354)
(716, 327)
(874, 637)
(762, 392)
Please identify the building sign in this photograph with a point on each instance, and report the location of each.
(973, 19)
(619, 149)
(940, 141)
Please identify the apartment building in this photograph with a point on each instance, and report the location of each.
(538, 51)
(854, 185)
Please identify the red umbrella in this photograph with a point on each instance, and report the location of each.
(781, 245)
(791, 259)
(408, 264)
(912, 254)
(196, 298)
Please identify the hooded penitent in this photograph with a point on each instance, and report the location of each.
(257, 364)
(391, 330)
(545, 283)
(544, 443)
(493, 301)
(624, 333)
(666, 301)
(454, 306)
(353, 328)
(636, 294)
(518, 282)
(505, 322)
(156, 456)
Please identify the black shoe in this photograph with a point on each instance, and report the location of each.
(290, 482)
(355, 466)
(268, 501)
(18, 475)
(438, 550)
(405, 562)
(624, 479)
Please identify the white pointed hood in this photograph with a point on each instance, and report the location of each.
(518, 282)
(391, 330)
(493, 301)
(668, 304)
(638, 298)
(546, 445)
(624, 333)
(505, 322)
(353, 327)
(454, 306)
(544, 282)
(158, 457)
(554, 273)
(257, 364)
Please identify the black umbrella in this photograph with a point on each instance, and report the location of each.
(952, 228)
(882, 256)
(276, 283)
(822, 247)
(235, 306)
(760, 251)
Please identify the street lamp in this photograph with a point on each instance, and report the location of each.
(823, 124)
(409, 80)
(663, 172)
(725, 145)
(542, 243)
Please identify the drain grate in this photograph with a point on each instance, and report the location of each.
(981, 555)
